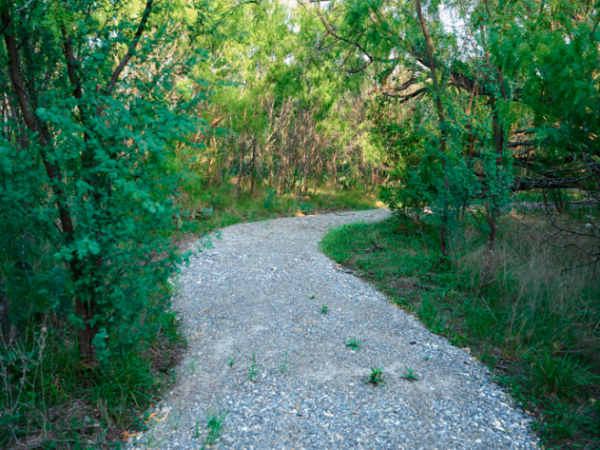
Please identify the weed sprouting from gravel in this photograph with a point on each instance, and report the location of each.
(324, 309)
(410, 375)
(312, 297)
(376, 377)
(231, 360)
(253, 368)
(176, 422)
(285, 362)
(214, 425)
(353, 344)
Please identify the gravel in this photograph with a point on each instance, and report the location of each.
(259, 291)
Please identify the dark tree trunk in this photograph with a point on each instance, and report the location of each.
(253, 165)
(441, 117)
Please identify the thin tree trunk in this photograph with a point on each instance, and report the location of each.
(499, 143)
(253, 173)
(441, 117)
(241, 166)
(84, 309)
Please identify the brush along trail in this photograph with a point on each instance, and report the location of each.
(252, 308)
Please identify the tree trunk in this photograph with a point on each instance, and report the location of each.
(241, 166)
(441, 116)
(253, 173)
(27, 104)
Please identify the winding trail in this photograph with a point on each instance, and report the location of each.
(260, 289)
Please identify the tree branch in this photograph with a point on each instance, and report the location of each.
(132, 47)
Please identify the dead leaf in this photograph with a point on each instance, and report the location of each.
(297, 329)
(166, 415)
(126, 436)
(151, 416)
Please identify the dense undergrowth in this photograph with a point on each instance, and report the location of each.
(534, 323)
(51, 399)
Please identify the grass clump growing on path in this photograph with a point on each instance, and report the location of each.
(285, 363)
(214, 425)
(253, 368)
(353, 344)
(410, 375)
(536, 326)
(376, 377)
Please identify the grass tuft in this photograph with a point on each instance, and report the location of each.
(376, 377)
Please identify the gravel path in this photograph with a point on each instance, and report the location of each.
(260, 290)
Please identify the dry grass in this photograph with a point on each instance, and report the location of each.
(538, 294)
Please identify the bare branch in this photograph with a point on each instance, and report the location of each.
(132, 47)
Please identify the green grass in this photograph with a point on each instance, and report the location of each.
(253, 368)
(410, 375)
(213, 208)
(376, 377)
(284, 364)
(214, 425)
(537, 328)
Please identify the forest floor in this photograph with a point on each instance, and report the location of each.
(271, 324)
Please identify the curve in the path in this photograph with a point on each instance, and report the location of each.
(260, 291)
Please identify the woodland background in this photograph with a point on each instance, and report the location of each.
(128, 126)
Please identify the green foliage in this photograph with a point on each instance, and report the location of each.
(214, 424)
(253, 368)
(207, 213)
(410, 375)
(114, 200)
(284, 364)
(324, 309)
(88, 203)
(561, 376)
(270, 201)
(306, 208)
(376, 377)
(353, 344)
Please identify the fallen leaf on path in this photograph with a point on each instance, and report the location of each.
(151, 416)
(166, 415)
